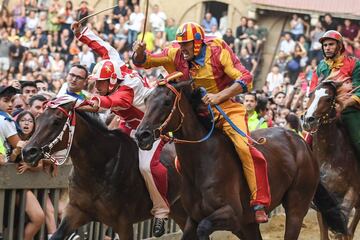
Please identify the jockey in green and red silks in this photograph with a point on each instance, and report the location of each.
(337, 66)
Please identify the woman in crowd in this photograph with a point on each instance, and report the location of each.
(26, 121)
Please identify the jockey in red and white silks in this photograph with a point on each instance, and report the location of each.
(123, 91)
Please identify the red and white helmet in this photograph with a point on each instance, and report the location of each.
(107, 69)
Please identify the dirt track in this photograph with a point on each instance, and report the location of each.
(275, 229)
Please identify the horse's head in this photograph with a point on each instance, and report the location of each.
(162, 113)
(52, 131)
(321, 105)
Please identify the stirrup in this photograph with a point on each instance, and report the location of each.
(260, 214)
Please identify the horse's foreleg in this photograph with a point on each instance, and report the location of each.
(73, 219)
(223, 218)
(177, 212)
(324, 230)
(354, 222)
(250, 232)
(189, 232)
(126, 232)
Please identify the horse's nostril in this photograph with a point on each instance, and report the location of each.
(310, 119)
(145, 135)
(30, 152)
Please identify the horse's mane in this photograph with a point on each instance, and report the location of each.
(94, 120)
(199, 107)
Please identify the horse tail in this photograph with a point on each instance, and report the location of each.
(330, 210)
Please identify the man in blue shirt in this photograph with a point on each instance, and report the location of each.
(208, 22)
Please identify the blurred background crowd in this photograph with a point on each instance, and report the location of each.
(37, 49)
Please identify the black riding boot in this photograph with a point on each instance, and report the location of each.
(159, 227)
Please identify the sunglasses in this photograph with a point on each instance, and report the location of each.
(76, 77)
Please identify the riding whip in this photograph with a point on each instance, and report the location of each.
(94, 14)
(145, 21)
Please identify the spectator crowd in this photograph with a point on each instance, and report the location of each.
(38, 49)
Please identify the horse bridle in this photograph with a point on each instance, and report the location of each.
(70, 123)
(326, 118)
(176, 104)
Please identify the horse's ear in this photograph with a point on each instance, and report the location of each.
(338, 84)
(179, 85)
(175, 76)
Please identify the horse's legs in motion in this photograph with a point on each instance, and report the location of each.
(250, 232)
(189, 232)
(125, 229)
(354, 222)
(224, 218)
(296, 203)
(324, 230)
(178, 213)
(73, 219)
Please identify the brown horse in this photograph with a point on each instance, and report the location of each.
(214, 191)
(105, 184)
(339, 167)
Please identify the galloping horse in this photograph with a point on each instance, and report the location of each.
(105, 184)
(339, 166)
(214, 191)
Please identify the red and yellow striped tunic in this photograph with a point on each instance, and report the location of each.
(215, 68)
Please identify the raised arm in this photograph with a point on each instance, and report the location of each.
(98, 45)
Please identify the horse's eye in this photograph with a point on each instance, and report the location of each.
(56, 122)
(329, 100)
(167, 103)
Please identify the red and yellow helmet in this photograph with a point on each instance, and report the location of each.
(334, 35)
(191, 31)
(107, 70)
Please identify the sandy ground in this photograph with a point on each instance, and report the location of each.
(274, 229)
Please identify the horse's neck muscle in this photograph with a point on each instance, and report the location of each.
(107, 155)
(329, 138)
(191, 128)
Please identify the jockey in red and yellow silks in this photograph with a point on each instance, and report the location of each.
(212, 64)
(123, 91)
(337, 66)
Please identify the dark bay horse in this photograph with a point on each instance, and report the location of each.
(105, 184)
(339, 166)
(214, 191)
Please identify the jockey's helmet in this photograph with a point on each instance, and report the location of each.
(191, 31)
(107, 70)
(334, 35)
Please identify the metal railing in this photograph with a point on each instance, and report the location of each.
(13, 189)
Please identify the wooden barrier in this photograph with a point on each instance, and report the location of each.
(13, 187)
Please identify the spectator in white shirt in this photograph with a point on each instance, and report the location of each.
(135, 22)
(86, 56)
(214, 32)
(274, 79)
(31, 21)
(287, 45)
(157, 19)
